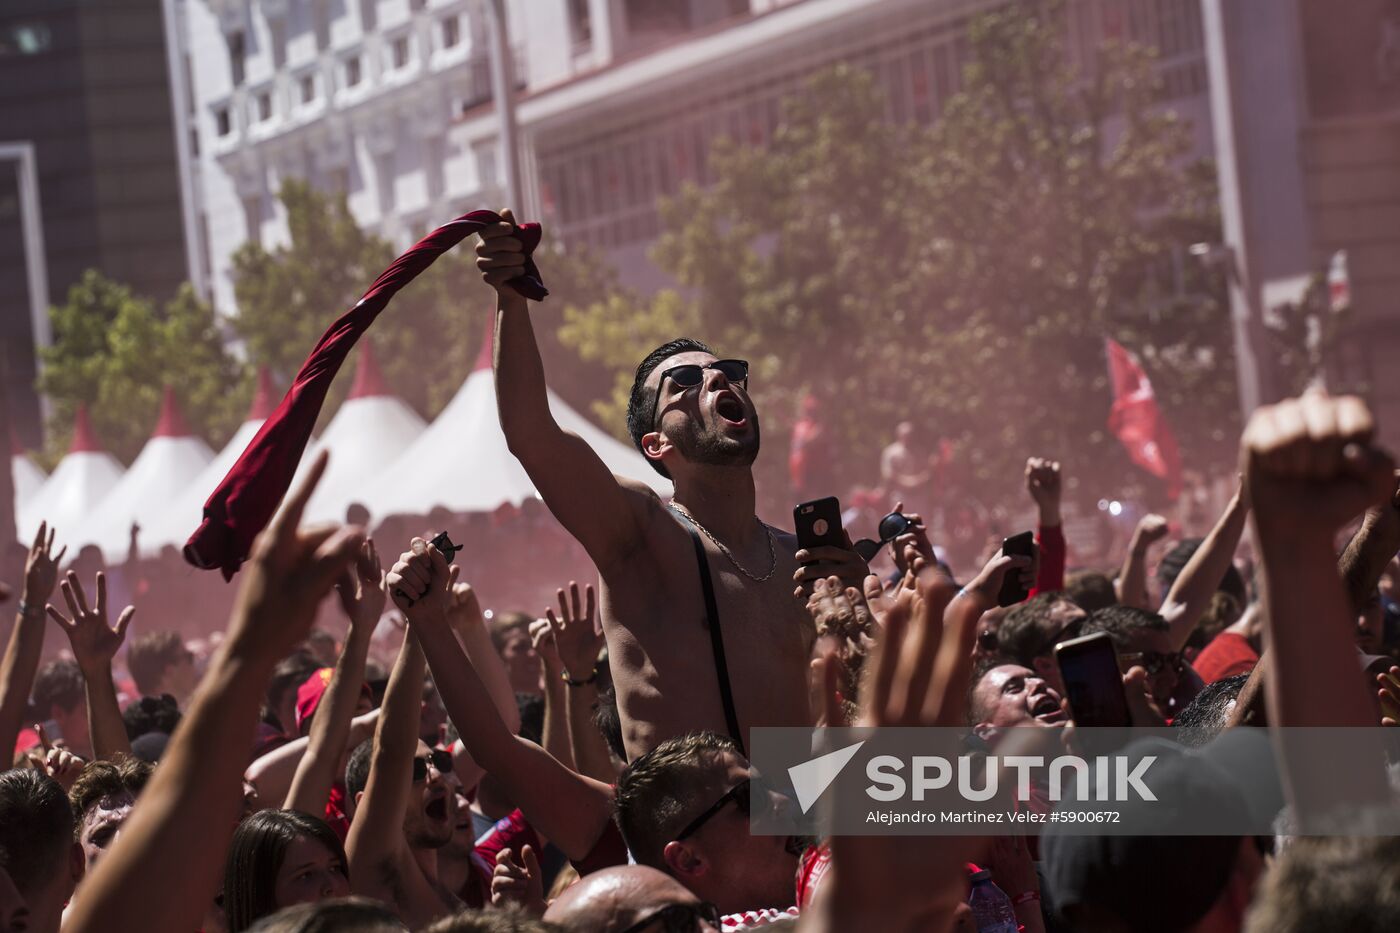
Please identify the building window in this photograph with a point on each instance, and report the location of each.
(400, 49)
(451, 32)
(223, 125)
(236, 54)
(352, 71)
(308, 88)
(264, 107)
(580, 23)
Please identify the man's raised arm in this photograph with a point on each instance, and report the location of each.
(1191, 593)
(602, 513)
(26, 643)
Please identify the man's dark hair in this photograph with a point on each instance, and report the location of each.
(1330, 884)
(150, 655)
(506, 624)
(1122, 622)
(493, 920)
(107, 780)
(659, 791)
(1090, 590)
(641, 404)
(1024, 632)
(343, 915)
(1204, 717)
(255, 856)
(1174, 561)
(289, 674)
(357, 768)
(609, 722)
(60, 684)
(151, 714)
(36, 828)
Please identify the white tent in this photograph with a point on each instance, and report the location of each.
(178, 520)
(24, 473)
(79, 483)
(462, 463)
(370, 430)
(171, 458)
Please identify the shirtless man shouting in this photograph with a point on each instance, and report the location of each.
(691, 416)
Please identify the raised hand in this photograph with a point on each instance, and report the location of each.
(542, 640)
(499, 254)
(576, 635)
(1043, 484)
(288, 573)
(421, 582)
(818, 563)
(840, 610)
(1389, 695)
(1150, 529)
(466, 605)
(913, 542)
(94, 642)
(361, 589)
(518, 882)
(1310, 465)
(63, 766)
(986, 587)
(41, 569)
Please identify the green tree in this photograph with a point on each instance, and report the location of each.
(962, 275)
(114, 352)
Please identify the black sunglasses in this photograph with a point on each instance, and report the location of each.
(690, 375)
(891, 526)
(739, 793)
(441, 762)
(678, 918)
(1154, 662)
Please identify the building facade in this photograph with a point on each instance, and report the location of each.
(389, 101)
(88, 87)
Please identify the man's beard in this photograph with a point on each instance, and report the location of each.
(698, 444)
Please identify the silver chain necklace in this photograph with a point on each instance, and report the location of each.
(772, 553)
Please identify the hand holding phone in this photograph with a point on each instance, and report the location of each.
(1012, 590)
(1093, 682)
(818, 524)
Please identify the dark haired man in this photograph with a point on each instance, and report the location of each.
(36, 845)
(102, 799)
(60, 695)
(702, 578)
(161, 664)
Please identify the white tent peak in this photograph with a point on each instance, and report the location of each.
(81, 481)
(166, 464)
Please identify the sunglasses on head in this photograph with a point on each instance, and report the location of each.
(440, 760)
(739, 793)
(891, 526)
(678, 918)
(690, 375)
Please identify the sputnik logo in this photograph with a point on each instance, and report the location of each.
(811, 778)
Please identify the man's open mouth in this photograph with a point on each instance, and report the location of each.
(1047, 710)
(436, 809)
(728, 407)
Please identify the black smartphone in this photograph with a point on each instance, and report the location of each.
(1093, 683)
(818, 523)
(1021, 545)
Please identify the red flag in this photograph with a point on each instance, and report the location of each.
(1138, 422)
(244, 502)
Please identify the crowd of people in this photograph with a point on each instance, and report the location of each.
(434, 769)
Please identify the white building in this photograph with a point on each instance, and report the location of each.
(389, 101)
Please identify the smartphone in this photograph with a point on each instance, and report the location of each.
(1021, 545)
(1093, 683)
(818, 524)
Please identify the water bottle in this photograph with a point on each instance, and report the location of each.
(991, 908)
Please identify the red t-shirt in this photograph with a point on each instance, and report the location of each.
(510, 832)
(335, 811)
(1226, 655)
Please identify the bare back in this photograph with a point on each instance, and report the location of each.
(663, 668)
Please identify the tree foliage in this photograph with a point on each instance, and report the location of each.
(961, 275)
(115, 351)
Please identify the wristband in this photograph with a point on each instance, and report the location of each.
(24, 609)
(591, 678)
(1025, 897)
